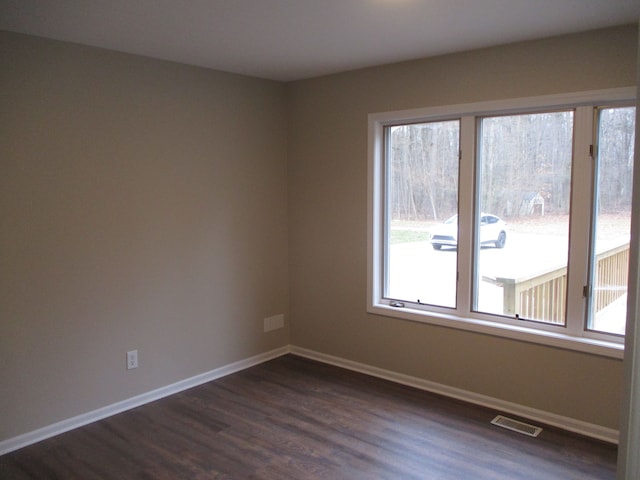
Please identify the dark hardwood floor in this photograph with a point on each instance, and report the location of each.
(294, 418)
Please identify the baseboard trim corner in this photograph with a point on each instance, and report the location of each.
(565, 423)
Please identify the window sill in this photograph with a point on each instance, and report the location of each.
(521, 333)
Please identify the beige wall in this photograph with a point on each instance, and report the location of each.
(143, 205)
(148, 205)
(328, 214)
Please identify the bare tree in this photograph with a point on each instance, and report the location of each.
(521, 158)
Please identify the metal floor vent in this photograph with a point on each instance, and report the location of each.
(516, 426)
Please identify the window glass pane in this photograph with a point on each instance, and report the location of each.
(522, 221)
(612, 222)
(422, 192)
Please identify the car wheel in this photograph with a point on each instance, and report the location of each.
(436, 246)
(502, 238)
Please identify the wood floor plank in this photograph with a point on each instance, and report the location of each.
(295, 418)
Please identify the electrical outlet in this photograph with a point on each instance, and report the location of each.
(132, 359)
(273, 323)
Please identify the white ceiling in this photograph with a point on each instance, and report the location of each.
(294, 39)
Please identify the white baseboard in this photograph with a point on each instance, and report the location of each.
(566, 423)
(35, 436)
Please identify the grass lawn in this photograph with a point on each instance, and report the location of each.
(408, 235)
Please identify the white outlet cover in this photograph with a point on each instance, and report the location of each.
(132, 359)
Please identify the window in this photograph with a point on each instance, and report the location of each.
(510, 218)
(422, 166)
(612, 219)
(524, 163)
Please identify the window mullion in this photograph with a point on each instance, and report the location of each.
(579, 233)
(466, 201)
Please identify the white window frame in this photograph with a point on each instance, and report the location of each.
(573, 335)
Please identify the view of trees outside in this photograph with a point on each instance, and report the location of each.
(524, 167)
(616, 136)
(424, 170)
(526, 164)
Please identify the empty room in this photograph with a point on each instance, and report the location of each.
(319, 239)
